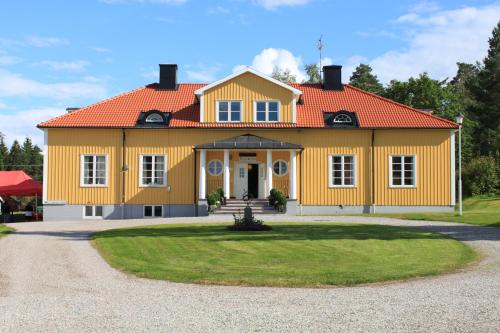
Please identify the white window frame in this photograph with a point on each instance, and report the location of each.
(267, 111)
(229, 111)
(165, 182)
(391, 185)
(82, 170)
(342, 122)
(93, 217)
(150, 120)
(208, 169)
(355, 170)
(287, 167)
(153, 211)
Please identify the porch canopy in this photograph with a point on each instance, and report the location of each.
(18, 183)
(248, 141)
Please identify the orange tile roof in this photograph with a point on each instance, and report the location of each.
(371, 110)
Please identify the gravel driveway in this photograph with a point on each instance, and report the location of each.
(51, 279)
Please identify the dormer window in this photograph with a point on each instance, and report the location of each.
(342, 119)
(154, 118)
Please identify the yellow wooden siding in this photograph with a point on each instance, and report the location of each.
(432, 150)
(214, 182)
(430, 146)
(65, 148)
(248, 88)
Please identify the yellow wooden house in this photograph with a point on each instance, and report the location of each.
(330, 148)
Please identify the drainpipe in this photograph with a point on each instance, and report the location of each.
(300, 183)
(373, 173)
(194, 186)
(124, 169)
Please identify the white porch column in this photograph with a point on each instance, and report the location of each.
(203, 175)
(225, 176)
(269, 171)
(293, 175)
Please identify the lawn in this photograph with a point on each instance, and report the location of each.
(483, 211)
(291, 255)
(4, 230)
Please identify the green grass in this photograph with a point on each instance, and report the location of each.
(291, 255)
(484, 211)
(4, 230)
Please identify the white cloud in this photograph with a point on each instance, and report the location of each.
(203, 74)
(6, 59)
(267, 59)
(273, 4)
(39, 41)
(13, 84)
(21, 124)
(439, 40)
(425, 7)
(73, 66)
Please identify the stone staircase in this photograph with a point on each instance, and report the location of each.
(234, 206)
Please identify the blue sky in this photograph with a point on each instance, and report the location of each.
(55, 54)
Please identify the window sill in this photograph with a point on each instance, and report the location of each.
(153, 186)
(90, 186)
(402, 186)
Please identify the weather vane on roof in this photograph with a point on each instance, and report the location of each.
(321, 45)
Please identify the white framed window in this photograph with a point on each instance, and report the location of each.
(153, 170)
(342, 170)
(93, 170)
(215, 168)
(92, 212)
(342, 119)
(151, 211)
(154, 118)
(280, 168)
(402, 170)
(266, 111)
(229, 111)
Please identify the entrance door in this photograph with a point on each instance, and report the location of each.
(253, 181)
(241, 180)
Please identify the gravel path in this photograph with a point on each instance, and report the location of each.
(51, 279)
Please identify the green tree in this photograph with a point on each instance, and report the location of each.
(283, 75)
(313, 73)
(36, 162)
(4, 153)
(486, 94)
(363, 78)
(27, 152)
(16, 157)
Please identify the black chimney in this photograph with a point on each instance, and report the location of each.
(332, 77)
(168, 77)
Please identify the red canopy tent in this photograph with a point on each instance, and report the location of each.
(18, 183)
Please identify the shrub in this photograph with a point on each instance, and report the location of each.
(277, 199)
(221, 194)
(480, 176)
(212, 198)
(280, 201)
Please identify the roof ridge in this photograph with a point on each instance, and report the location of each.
(95, 104)
(400, 104)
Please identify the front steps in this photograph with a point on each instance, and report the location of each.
(234, 206)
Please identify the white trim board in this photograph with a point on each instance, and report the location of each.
(243, 71)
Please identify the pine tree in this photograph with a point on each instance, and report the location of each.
(36, 162)
(486, 93)
(4, 153)
(312, 71)
(363, 78)
(27, 152)
(16, 158)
